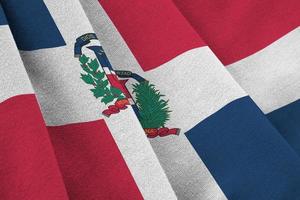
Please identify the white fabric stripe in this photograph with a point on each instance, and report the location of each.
(272, 75)
(139, 156)
(13, 80)
(107, 71)
(65, 98)
(187, 82)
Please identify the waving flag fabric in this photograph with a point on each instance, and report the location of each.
(130, 100)
(29, 169)
(98, 158)
(216, 117)
(259, 46)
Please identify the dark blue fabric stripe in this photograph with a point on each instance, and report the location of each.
(287, 121)
(2, 17)
(246, 155)
(31, 24)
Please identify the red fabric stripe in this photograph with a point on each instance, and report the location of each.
(155, 31)
(28, 168)
(235, 29)
(91, 164)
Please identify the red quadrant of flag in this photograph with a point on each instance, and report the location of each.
(29, 169)
(91, 163)
(231, 28)
(88, 163)
(155, 32)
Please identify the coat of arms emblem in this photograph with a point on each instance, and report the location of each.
(109, 87)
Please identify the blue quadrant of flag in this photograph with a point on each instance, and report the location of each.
(245, 153)
(2, 17)
(32, 25)
(285, 119)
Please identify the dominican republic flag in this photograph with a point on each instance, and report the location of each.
(155, 100)
(227, 148)
(258, 42)
(85, 145)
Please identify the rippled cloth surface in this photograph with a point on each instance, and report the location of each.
(149, 100)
